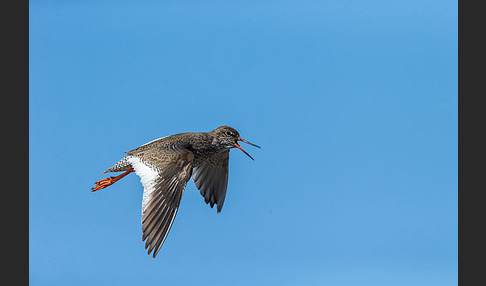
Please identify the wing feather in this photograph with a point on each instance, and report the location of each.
(164, 172)
(211, 178)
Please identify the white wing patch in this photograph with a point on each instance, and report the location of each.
(153, 141)
(147, 176)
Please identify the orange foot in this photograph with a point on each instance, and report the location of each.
(109, 181)
(104, 183)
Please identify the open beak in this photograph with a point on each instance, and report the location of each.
(239, 147)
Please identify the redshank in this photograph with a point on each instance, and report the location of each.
(165, 165)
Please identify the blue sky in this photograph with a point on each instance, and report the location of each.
(353, 102)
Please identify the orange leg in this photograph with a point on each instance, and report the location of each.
(109, 181)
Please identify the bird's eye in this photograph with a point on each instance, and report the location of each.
(228, 133)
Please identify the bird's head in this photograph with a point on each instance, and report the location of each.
(226, 137)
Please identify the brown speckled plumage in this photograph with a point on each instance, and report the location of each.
(166, 164)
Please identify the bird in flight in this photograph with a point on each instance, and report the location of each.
(166, 164)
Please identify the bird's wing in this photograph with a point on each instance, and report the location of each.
(164, 172)
(211, 178)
